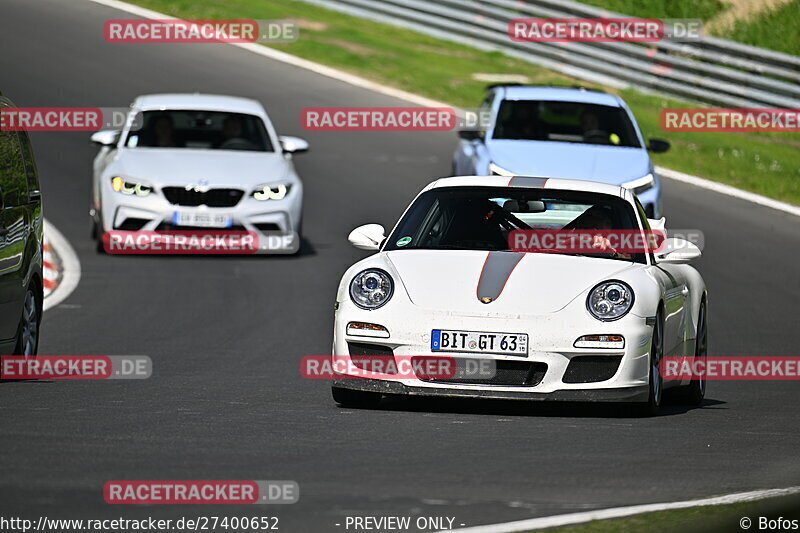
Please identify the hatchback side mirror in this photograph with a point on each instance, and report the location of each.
(469, 135)
(658, 146)
(367, 237)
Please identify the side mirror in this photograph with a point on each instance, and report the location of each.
(293, 145)
(367, 237)
(469, 135)
(676, 251)
(658, 146)
(659, 224)
(106, 137)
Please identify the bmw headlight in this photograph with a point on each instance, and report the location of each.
(272, 192)
(641, 185)
(124, 186)
(371, 288)
(610, 300)
(496, 170)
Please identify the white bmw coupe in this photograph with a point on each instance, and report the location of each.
(556, 326)
(197, 161)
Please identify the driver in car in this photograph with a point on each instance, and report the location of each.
(592, 133)
(233, 135)
(596, 218)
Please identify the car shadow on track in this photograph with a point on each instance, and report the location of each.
(534, 408)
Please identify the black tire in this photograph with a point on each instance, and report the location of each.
(355, 398)
(655, 381)
(695, 391)
(29, 324)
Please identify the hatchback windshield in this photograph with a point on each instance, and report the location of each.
(572, 122)
(481, 218)
(214, 130)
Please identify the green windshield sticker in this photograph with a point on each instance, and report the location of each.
(403, 241)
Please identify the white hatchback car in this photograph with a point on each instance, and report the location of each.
(197, 161)
(589, 327)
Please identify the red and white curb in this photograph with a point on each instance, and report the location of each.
(51, 270)
(62, 270)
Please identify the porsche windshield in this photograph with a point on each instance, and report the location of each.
(212, 130)
(574, 122)
(481, 218)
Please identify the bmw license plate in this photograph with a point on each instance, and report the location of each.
(448, 340)
(202, 220)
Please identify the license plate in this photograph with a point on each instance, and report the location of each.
(448, 340)
(203, 220)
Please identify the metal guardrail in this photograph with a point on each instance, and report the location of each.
(711, 70)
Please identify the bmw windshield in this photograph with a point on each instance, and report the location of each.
(214, 130)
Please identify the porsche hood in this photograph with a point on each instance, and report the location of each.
(498, 282)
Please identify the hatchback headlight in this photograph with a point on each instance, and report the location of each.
(371, 288)
(638, 186)
(272, 192)
(121, 185)
(610, 300)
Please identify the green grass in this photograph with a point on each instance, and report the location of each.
(777, 30)
(671, 9)
(710, 519)
(764, 163)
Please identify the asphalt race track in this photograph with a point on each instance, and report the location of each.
(226, 334)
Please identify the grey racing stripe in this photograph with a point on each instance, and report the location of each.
(496, 270)
(527, 182)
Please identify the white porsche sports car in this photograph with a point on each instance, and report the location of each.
(197, 161)
(556, 326)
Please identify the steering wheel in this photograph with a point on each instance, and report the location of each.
(237, 143)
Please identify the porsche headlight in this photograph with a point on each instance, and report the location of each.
(610, 300)
(272, 192)
(641, 185)
(371, 288)
(121, 185)
(495, 170)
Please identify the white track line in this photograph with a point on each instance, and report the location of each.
(70, 266)
(728, 190)
(619, 512)
(421, 100)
